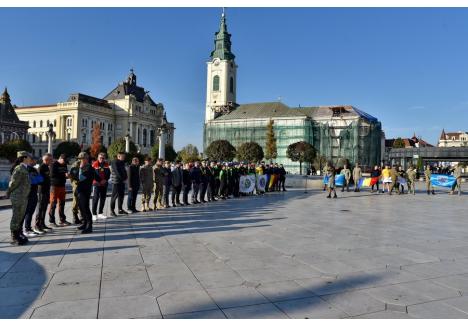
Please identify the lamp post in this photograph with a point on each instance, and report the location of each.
(162, 141)
(127, 143)
(50, 134)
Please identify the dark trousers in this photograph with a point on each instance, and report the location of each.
(195, 188)
(211, 190)
(216, 187)
(376, 185)
(222, 189)
(30, 209)
(43, 200)
(166, 190)
(118, 193)
(83, 205)
(175, 194)
(282, 181)
(185, 194)
(202, 191)
(99, 196)
(132, 197)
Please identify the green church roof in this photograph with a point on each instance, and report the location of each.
(222, 42)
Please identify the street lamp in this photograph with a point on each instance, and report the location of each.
(162, 141)
(127, 143)
(51, 134)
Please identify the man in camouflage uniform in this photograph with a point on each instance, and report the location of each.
(158, 185)
(74, 182)
(427, 175)
(357, 175)
(146, 178)
(457, 172)
(411, 180)
(347, 176)
(18, 191)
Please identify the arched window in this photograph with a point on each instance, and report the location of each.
(40, 124)
(138, 136)
(34, 124)
(55, 123)
(216, 83)
(231, 85)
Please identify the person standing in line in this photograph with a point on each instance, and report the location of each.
(223, 178)
(85, 175)
(18, 191)
(375, 174)
(75, 208)
(331, 180)
(457, 174)
(119, 178)
(195, 177)
(133, 184)
(427, 175)
(386, 179)
(167, 182)
(210, 171)
(282, 178)
(347, 177)
(101, 180)
(58, 178)
(357, 175)
(35, 178)
(411, 180)
(146, 178)
(394, 178)
(158, 185)
(44, 193)
(402, 175)
(177, 180)
(203, 182)
(187, 183)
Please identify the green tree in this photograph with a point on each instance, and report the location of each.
(398, 143)
(220, 150)
(69, 148)
(301, 152)
(9, 149)
(271, 151)
(119, 146)
(171, 154)
(250, 152)
(188, 153)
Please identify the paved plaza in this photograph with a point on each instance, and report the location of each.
(282, 255)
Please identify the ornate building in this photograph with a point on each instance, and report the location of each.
(11, 127)
(453, 139)
(338, 131)
(127, 109)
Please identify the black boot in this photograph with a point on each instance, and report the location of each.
(23, 237)
(88, 229)
(82, 226)
(16, 239)
(76, 219)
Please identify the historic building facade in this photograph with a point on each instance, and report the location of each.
(127, 109)
(339, 131)
(453, 139)
(11, 127)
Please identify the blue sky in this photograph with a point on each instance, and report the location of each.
(407, 67)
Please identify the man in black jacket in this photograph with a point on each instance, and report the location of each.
(203, 182)
(84, 173)
(44, 193)
(167, 182)
(58, 178)
(187, 181)
(133, 184)
(195, 177)
(177, 179)
(118, 178)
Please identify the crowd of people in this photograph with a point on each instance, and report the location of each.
(392, 178)
(40, 189)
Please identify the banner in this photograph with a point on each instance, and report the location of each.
(340, 180)
(442, 180)
(401, 181)
(247, 183)
(261, 182)
(325, 180)
(367, 182)
(272, 180)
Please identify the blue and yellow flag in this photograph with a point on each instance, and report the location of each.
(442, 180)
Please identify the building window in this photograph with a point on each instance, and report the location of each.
(40, 124)
(68, 136)
(83, 138)
(40, 138)
(55, 123)
(216, 83)
(109, 141)
(138, 136)
(231, 85)
(40, 152)
(47, 125)
(151, 138)
(144, 137)
(34, 124)
(69, 121)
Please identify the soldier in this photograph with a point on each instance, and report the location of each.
(44, 193)
(85, 174)
(18, 191)
(58, 178)
(119, 178)
(133, 184)
(331, 180)
(177, 179)
(35, 178)
(394, 177)
(223, 178)
(147, 180)
(167, 182)
(158, 185)
(357, 174)
(102, 175)
(411, 179)
(74, 182)
(347, 176)
(457, 172)
(427, 175)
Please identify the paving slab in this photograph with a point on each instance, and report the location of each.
(310, 308)
(260, 311)
(179, 302)
(129, 307)
(237, 296)
(77, 309)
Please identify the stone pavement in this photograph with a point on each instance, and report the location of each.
(282, 255)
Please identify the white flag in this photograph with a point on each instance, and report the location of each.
(261, 182)
(247, 183)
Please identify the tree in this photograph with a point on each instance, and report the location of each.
(220, 150)
(271, 152)
(250, 152)
(96, 145)
(302, 152)
(119, 146)
(320, 161)
(171, 154)
(398, 143)
(188, 153)
(9, 149)
(69, 148)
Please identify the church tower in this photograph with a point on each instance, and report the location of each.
(221, 75)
